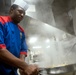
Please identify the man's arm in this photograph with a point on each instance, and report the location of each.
(10, 59)
(22, 57)
(23, 52)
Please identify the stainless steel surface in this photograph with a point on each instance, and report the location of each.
(51, 46)
(59, 70)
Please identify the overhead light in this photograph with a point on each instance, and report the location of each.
(47, 41)
(37, 47)
(32, 39)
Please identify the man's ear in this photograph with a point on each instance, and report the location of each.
(11, 10)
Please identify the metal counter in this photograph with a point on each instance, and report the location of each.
(50, 47)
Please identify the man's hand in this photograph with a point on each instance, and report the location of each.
(21, 72)
(31, 70)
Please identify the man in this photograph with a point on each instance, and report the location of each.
(13, 48)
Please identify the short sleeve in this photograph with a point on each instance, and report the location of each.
(2, 45)
(24, 46)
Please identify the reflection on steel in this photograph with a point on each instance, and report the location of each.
(58, 70)
(64, 69)
(50, 46)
